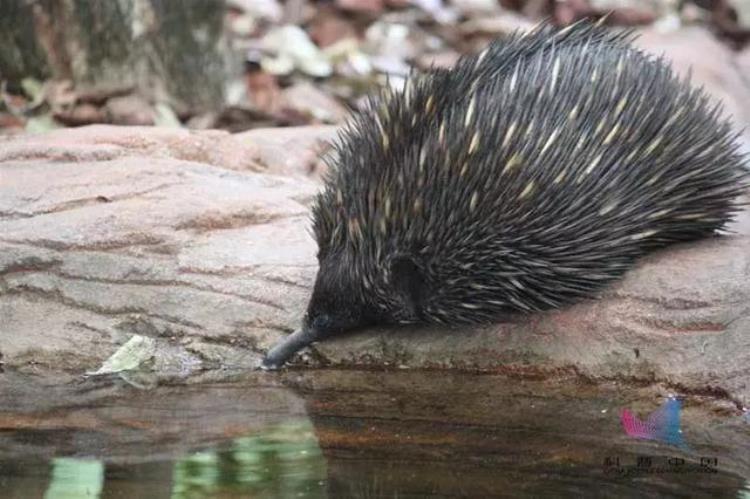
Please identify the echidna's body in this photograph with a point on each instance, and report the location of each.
(524, 179)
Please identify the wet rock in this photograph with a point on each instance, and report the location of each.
(433, 425)
(347, 428)
(108, 419)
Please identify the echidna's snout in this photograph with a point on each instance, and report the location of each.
(316, 326)
(329, 313)
(283, 350)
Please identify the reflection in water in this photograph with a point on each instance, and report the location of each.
(357, 434)
(75, 478)
(253, 465)
(284, 461)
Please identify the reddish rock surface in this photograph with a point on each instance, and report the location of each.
(200, 240)
(696, 52)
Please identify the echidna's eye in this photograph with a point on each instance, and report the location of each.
(321, 322)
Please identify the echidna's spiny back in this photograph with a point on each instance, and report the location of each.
(525, 178)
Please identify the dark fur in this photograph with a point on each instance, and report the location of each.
(419, 225)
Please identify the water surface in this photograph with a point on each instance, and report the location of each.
(329, 433)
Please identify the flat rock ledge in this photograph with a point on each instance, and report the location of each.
(201, 241)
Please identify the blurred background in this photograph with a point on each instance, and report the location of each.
(242, 64)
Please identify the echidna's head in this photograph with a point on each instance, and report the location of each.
(340, 302)
(337, 305)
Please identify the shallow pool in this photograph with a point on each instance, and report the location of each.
(337, 433)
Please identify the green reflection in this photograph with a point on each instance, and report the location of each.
(75, 478)
(284, 461)
(745, 492)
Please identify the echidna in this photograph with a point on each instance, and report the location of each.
(525, 178)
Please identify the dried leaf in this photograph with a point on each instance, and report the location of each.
(41, 124)
(34, 90)
(165, 116)
(132, 354)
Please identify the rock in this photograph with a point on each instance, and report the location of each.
(632, 12)
(307, 98)
(263, 91)
(392, 66)
(109, 232)
(438, 11)
(292, 49)
(496, 26)
(742, 11)
(476, 7)
(105, 142)
(200, 241)
(242, 25)
(390, 40)
(290, 151)
(351, 62)
(682, 317)
(197, 416)
(82, 114)
(712, 64)
(446, 60)
(329, 27)
(369, 6)
(269, 10)
(10, 123)
(130, 110)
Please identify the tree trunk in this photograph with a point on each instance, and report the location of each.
(173, 51)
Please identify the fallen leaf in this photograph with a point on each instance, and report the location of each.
(132, 354)
(165, 116)
(41, 124)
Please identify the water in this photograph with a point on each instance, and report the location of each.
(357, 434)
